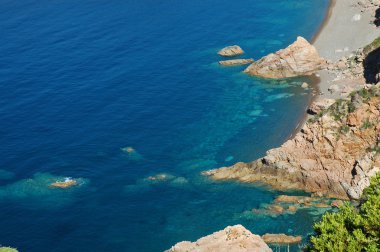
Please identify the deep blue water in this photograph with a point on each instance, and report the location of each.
(80, 80)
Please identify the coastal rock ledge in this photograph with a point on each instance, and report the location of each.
(299, 59)
(231, 239)
(336, 152)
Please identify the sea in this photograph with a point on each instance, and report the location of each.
(127, 98)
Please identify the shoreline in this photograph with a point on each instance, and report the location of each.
(328, 41)
(301, 162)
(326, 20)
(315, 80)
(347, 28)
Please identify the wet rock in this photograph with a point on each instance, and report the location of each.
(230, 51)
(305, 85)
(281, 239)
(322, 205)
(68, 182)
(337, 203)
(275, 209)
(236, 62)
(287, 199)
(292, 209)
(231, 239)
(161, 177)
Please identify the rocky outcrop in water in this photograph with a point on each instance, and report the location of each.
(281, 239)
(231, 51)
(300, 58)
(231, 239)
(235, 62)
(68, 182)
(336, 152)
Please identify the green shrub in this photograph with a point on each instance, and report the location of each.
(351, 229)
(367, 124)
(8, 249)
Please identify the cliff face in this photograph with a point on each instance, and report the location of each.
(300, 58)
(231, 239)
(336, 152)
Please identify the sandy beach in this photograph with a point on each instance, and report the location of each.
(346, 29)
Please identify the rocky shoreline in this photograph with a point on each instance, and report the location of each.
(332, 152)
(336, 151)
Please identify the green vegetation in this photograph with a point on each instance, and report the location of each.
(367, 94)
(367, 124)
(8, 249)
(376, 148)
(373, 46)
(351, 229)
(344, 129)
(339, 110)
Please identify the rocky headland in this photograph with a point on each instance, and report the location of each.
(231, 239)
(334, 153)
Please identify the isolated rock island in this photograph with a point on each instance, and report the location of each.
(231, 51)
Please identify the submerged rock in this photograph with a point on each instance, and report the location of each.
(236, 62)
(68, 182)
(281, 239)
(231, 239)
(298, 59)
(133, 155)
(230, 51)
(38, 190)
(161, 177)
(305, 85)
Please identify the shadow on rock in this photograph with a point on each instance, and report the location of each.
(377, 17)
(372, 67)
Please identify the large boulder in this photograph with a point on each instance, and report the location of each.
(231, 51)
(299, 59)
(231, 239)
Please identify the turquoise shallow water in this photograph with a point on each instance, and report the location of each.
(80, 81)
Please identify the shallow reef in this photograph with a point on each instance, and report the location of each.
(6, 175)
(38, 190)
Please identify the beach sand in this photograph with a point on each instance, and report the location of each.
(346, 29)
